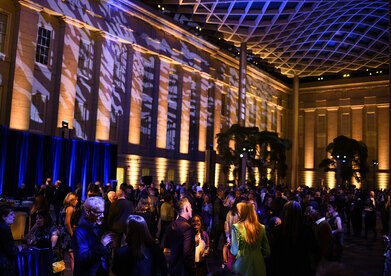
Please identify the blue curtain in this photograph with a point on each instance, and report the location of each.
(31, 158)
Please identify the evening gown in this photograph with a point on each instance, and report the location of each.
(249, 258)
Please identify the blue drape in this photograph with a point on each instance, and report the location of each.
(29, 158)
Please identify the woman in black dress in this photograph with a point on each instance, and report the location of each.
(8, 249)
(141, 255)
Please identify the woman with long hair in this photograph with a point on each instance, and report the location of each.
(143, 209)
(141, 255)
(335, 222)
(249, 242)
(202, 246)
(69, 217)
(294, 244)
(231, 218)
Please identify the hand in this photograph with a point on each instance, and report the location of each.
(106, 239)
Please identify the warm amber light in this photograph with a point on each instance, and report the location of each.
(133, 164)
(161, 168)
(201, 172)
(309, 178)
(183, 170)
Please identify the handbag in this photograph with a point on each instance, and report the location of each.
(58, 266)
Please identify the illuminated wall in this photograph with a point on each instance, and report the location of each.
(357, 108)
(120, 73)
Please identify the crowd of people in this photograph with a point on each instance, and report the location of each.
(173, 229)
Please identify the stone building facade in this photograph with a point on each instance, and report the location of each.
(118, 72)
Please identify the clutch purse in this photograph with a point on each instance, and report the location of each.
(58, 266)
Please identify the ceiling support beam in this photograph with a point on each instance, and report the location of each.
(295, 132)
(242, 84)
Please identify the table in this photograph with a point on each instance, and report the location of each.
(34, 261)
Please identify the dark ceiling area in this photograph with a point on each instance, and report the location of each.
(313, 39)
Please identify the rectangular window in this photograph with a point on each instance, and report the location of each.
(345, 124)
(3, 31)
(223, 104)
(43, 45)
(84, 59)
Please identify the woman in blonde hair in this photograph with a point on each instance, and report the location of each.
(249, 242)
(69, 218)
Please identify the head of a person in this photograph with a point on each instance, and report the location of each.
(229, 200)
(185, 209)
(120, 193)
(144, 204)
(7, 214)
(94, 208)
(71, 199)
(246, 211)
(197, 223)
(311, 213)
(57, 183)
(292, 218)
(372, 194)
(43, 218)
(331, 208)
(137, 235)
(111, 196)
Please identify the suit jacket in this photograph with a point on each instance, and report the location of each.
(118, 214)
(8, 251)
(181, 241)
(91, 256)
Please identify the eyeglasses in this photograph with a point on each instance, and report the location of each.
(97, 213)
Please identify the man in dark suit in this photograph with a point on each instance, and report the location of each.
(118, 214)
(91, 249)
(180, 240)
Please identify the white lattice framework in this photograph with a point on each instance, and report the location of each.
(304, 38)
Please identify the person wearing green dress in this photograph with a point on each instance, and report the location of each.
(249, 242)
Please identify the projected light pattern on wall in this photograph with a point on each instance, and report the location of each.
(117, 73)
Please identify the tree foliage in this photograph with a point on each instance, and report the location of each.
(264, 150)
(351, 155)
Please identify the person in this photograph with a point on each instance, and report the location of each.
(370, 215)
(293, 248)
(337, 231)
(249, 242)
(8, 249)
(322, 231)
(143, 209)
(69, 219)
(231, 218)
(59, 194)
(44, 234)
(180, 241)
(167, 215)
(141, 255)
(202, 246)
(118, 213)
(90, 247)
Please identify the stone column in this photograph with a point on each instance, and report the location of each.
(24, 69)
(105, 90)
(136, 98)
(203, 112)
(295, 132)
(186, 90)
(242, 84)
(161, 133)
(217, 113)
